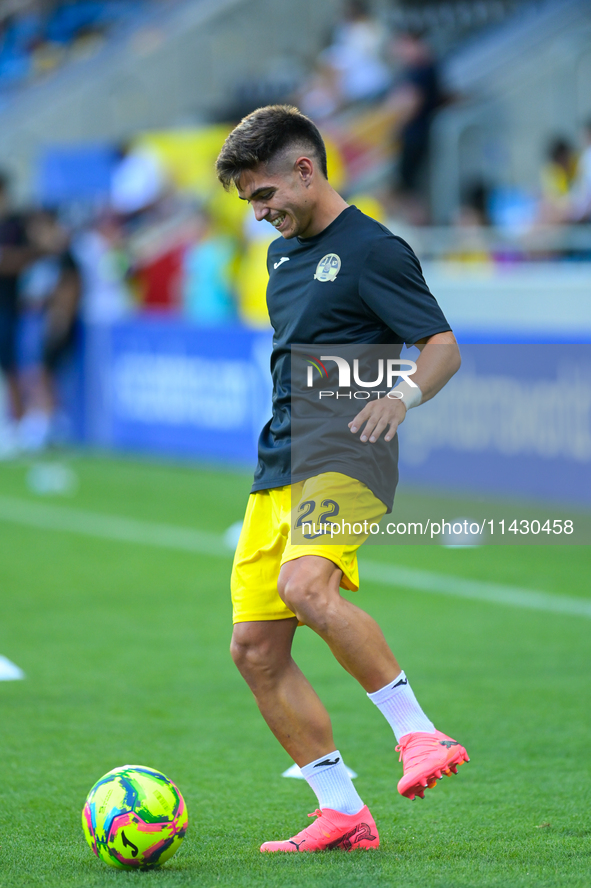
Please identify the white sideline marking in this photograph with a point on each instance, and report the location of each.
(460, 587)
(169, 536)
(9, 671)
(110, 527)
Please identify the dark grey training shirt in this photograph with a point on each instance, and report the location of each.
(355, 282)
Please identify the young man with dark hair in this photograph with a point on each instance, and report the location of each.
(371, 292)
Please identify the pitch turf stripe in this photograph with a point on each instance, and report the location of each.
(168, 536)
(110, 527)
(476, 590)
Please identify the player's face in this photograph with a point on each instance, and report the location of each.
(281, 198)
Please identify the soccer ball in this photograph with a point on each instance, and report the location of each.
(134, 817)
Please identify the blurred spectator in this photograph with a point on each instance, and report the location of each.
(16, 252)
(352, 68)
(52, 288)
(138, 181)
(474, 209)
(101, 253)
(574, 203)
(356, 55)
(206, 290)
(559, 170)
(472, 219)
(414, 100)
(319, 98)
(579, 196)
(156, 227)
(157, 241)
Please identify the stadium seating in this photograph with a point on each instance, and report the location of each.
(522, 82)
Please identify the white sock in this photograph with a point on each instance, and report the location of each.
(399, 706)
(328, 779)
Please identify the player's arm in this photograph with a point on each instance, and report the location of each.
(439, 359)
(438, 362)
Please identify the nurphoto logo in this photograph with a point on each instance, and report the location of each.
(388, 371)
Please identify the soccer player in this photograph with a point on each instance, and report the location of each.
(371, 291)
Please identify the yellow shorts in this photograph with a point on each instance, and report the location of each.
(274, 516)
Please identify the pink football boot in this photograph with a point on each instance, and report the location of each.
(332, 830)
(425, 759)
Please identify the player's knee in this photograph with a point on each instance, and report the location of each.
(252, 654)
(305, 596)
(240, 650)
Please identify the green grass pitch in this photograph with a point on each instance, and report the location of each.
(125, 650)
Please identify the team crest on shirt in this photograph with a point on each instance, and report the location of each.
(328, 267)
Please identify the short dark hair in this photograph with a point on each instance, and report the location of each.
(262, 136)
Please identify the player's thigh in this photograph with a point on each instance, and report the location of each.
(340, 513)
(258, 557)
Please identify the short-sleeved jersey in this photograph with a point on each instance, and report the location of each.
(377, 295)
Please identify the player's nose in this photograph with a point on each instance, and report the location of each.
(260, 212)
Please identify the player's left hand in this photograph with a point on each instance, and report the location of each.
(377, 416)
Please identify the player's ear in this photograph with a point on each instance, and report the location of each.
(305, 169)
